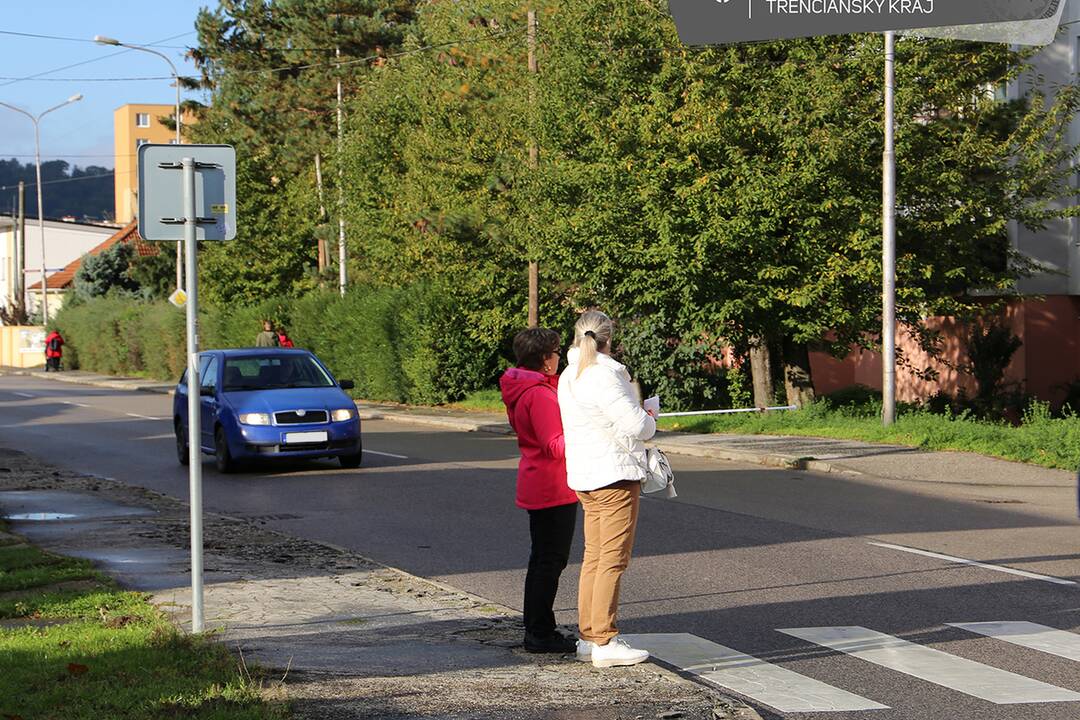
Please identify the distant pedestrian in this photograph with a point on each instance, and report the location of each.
(283, 340)
(605, 426)
(54, 351)
(532, 406)
(267, 338)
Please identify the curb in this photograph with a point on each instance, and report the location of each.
(115, 384)
(668, 442)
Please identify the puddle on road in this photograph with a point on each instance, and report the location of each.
(40, 516)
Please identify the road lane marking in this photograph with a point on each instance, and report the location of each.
(71, 402)
(22, 394)
(386, 454)
(1030, 635)
(975, 563)
(956, 673)
(772, 685)
(144, 417)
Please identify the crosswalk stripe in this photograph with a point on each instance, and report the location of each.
(772, 685)
(967, 676)
(1030, 635)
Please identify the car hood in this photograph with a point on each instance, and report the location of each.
(279, 399)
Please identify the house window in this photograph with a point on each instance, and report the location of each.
(142, 119)
(139, 142)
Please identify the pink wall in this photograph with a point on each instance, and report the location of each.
(1049, 357)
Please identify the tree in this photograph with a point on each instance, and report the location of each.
(106, 272)
(89, 196)
(270, 67)
(738, 188)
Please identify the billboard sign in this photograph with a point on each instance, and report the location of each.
(718, 22)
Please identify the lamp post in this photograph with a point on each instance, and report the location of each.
(40, 210)
(103, 40)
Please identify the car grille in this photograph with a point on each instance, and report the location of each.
(300, 417)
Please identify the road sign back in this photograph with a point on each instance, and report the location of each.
(717, 22)
(161, 191)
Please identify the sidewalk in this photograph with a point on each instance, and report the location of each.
(349, 638)
(849, 457)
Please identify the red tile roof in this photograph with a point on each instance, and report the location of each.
(64, 279)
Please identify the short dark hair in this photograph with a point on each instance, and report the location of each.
(533, 345)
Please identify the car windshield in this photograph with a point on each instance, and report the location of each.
(266, 372)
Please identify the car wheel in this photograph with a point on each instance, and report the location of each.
(351, 461)
(222, 458)
(181, 443)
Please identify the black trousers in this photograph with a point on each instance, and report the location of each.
(552, 531)
(52, 363)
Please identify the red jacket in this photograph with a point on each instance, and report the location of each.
(532, 406)
(58, 352)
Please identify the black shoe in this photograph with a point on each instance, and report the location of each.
(556, 642)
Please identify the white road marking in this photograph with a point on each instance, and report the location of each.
(21, 394)
(975, 563)
(772, 685)
(144, 417)
(1030, 635)
(967, 676)
(386, 454)
(70, 402)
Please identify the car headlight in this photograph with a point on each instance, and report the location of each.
(341, 415)
(254, 418)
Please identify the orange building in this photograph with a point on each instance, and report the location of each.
(135, 125)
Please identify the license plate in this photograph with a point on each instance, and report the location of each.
(305, 437)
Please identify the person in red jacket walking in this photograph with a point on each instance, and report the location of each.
(529, 392)
(54, 350)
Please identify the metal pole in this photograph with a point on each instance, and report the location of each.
(179, 247)
(888, 240)
(534, 163)
(322, 261)
(103, 40)
(342, 279)
(41, 226)
(20, 249)
(194, 400)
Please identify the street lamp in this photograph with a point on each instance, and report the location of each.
(40, 211)
(103, 40)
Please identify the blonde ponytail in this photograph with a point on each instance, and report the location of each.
(592, 335)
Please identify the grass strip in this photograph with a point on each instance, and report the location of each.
(101, 652)
(1040, 439)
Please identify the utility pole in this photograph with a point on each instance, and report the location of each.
(20, 250)
(322, 212)
(888, 240)
(342, 279)
(534, 164)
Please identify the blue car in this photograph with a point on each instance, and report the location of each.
(269, 403)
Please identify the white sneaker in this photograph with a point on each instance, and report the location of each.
(617, 652)
(584, 650)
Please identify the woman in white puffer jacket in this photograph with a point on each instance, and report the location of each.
(604, 427)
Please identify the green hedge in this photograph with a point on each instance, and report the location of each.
(408, 344)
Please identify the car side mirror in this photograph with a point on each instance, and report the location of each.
(206, 391)
(346, 384)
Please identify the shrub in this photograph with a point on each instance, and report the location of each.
(410, 344)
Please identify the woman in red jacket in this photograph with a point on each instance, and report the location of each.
(529, 392)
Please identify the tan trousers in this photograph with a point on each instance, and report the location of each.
(610, 521)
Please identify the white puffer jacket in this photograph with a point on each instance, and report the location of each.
(598, 408)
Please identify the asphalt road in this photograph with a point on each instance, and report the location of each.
(744, 552)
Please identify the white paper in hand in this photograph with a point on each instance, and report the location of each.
(652, 405)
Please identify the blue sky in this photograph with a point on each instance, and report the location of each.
(82, 133)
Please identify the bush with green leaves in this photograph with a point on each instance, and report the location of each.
(411, 344)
